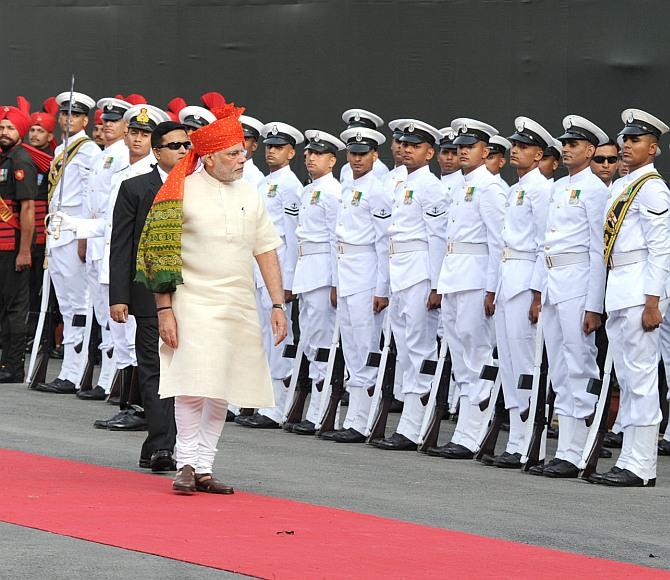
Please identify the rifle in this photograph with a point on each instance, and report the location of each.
(85, 381)
(39, 355)
(495, 413)
(535, 438)
(598, 421)
(382, 394)
(299, 387)
(333, 384)
(437, 407)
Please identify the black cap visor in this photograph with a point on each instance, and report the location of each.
(579, 134)
(321, 147)
(135, 124)
(640, 128)
(250, 132)
(77, 107)
(529, 138)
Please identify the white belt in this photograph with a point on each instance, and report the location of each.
(626, 258)
(566, 259)
(344, 248)
(467, 248)
(409, 246)
(309, 248)
(510, 254)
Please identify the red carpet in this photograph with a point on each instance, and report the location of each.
(263, 536)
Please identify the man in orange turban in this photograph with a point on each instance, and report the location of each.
(196, 254)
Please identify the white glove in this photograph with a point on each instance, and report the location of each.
(67, 222)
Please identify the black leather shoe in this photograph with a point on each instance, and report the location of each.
(457, 451)
(102, 423)
(230, 416)
(304, 428)
(349, 436)
(439, 450)
(131, 421)
(144, 463)
(9, 377)
(96, 394)
(57, 352)
(257, 421)
(508, 461)
(57, 386)
(664, 447)
(539, 468)
(396, 442)
(328, 435)
(563, 469)
(625, 478)
(162, 461)
(613, 440)
(605, 453)
(598, 477)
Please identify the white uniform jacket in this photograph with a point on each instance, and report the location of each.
(281, 192)
(525, 224)
(362, 221)
(316, 225)
(450, 183)
(379, 170)
(419, 214)
(475, 217)
(252, 174)
(645, 227)
(575, 226)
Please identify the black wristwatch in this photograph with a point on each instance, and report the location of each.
(280, 306)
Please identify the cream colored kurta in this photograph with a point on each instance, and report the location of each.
(220, 353)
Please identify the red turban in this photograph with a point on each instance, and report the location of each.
(16, 117)
(136, 99)
(44, 120)
(213, 100)
(97, 117)
(225, 132)
(50, 106)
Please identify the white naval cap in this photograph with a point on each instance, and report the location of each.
(498, 144)
(531, 133)
(362, 139)
(362, 118)
(196, 117)
(322, 142)
(447, 136)
(113, 109)
(469, 131)
(415, 131)
(639, 122)
(81, 103)
(619, 141)
(555, 149)
(145, 117)
(582, 129)
(396, 126)
(277, 133)
(251, 127)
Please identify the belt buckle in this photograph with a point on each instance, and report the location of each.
(610, 262)
(300, 254)
(391, 247)
(505, 254)
(548, 261)
(340, 248)
(450, 247)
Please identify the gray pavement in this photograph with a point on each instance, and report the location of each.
(621, 524)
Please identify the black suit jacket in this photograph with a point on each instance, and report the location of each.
(130, 211)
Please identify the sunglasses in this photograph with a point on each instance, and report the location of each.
(612, 159)
(175, 145)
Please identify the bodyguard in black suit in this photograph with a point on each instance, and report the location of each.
(170, 143)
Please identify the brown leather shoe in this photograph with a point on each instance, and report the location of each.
(184, 482)
(206, 482)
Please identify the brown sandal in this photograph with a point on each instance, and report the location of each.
(184, 482)
(205, 482)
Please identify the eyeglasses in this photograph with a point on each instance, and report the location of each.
(611, 159)
(175, 145)
(238, 153)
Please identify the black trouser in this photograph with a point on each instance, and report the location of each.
(158, 412)
(14, 303)
(36, 279)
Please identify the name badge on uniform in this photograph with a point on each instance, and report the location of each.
(108, 162)
(316, 195)
(409, 196)
(469, 194)
(272, 190)
(3, 175)
(520, 195)
(356, 199)
(574, 196)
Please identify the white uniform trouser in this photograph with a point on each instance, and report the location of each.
(414, 328)
(515, 338)
(360, 333)
(665, 354)
(317, 322)
(469, 334)
(199, 421)
(572, 364)
(101, 308)
(280, 367)
(635, 353)
(68, 274)
(123, 337)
